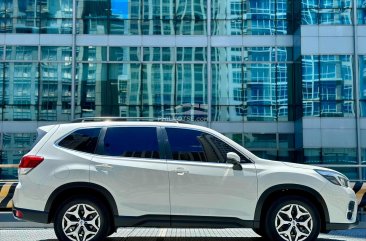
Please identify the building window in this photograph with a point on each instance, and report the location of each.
(326, 12)
(327, 86)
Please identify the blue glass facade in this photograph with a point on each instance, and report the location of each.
(286, 79)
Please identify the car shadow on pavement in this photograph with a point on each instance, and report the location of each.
(193, 239)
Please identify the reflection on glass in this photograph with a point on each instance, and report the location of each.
(91, 53)
(237, 137)
(191, 54)
(259, 9)
(159, 9)
(286, 156)
(92, 89)
(335, 16)
(312, 156)
(260, 80)
(92, 8)
(127, 79)
(20, 113)
(227, 27)
(63, 54)
(158, 84)
(361, 16)
(157, 27)
(10, 157)
(227, 84)
(21, 141)
(261, 113)
(286, 141)
(260, 54)
(362, 76)
(21, 53)
(328, 78)
(124, 27)
(57, 9)
(2, 75)
(227, 9)
(55, 92)
(158, 54)
(310, 78)
(226, 54)
(327, 12)
(190, 27)
(92, 26)
(228, 113)
(35, 16)
(262, 141)
(191, 86)
(191, 9)
(335, 3)
(124, 54)
(56, 26)
(126, 9)
(260, 27)
(284, 54)
(21, 84)
(267, 154)
(309, 16)
(336, 76)
(310, 86)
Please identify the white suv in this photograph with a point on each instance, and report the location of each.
(90, 178)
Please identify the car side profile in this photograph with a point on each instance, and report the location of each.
(89, 178)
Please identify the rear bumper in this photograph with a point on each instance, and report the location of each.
(31, 215)
(340, 226)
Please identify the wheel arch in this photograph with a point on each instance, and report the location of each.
(290, 189)
(77, 189)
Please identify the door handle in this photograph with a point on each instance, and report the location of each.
(180, 171)
(103, 166)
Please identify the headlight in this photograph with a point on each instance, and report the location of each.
(334, 177)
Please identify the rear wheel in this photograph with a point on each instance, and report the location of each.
(82, 219)
(292, 218)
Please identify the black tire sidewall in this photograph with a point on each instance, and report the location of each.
(270, 229)
(95, 203)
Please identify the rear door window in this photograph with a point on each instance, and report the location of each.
(139, 142)
(84, 140)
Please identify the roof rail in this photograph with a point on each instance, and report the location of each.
(112, 118)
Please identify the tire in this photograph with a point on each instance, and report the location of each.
(292, 218)
(72, 223)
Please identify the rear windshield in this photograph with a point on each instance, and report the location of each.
(84, 140)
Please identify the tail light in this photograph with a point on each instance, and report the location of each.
(18, 214)
(27, 163)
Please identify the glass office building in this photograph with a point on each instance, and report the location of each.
(284, 78)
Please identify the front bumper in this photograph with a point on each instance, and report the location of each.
(31, 215)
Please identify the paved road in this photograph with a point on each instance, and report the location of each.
(155, 234)
(12, 230)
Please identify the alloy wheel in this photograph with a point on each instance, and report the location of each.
(81, 222)
(293, 222)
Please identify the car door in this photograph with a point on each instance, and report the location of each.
(129, 163)
(202, 184)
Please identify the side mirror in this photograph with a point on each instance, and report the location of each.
(233, 158)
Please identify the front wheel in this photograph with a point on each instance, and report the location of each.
(81, 219)
(292, 218)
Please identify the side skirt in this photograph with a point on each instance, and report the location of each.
(178, 221)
